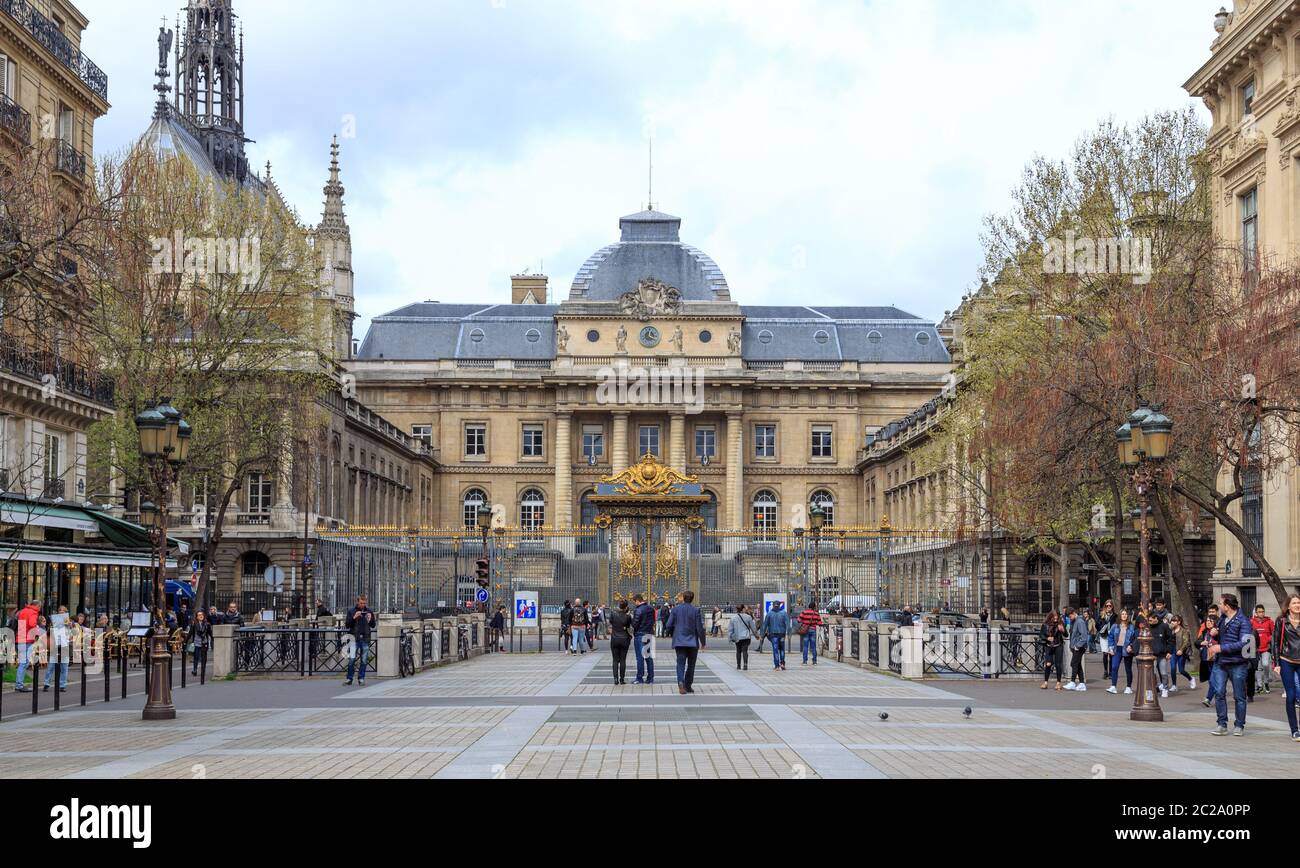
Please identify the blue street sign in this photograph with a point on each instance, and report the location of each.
(482, 595)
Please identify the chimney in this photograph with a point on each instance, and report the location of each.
(529, 288)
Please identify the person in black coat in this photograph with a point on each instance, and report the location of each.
(199, 636)
(360, 624)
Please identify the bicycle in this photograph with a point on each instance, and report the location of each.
(463, 644)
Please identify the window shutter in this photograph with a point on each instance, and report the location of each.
(5, 83)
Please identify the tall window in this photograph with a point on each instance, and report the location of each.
(533, 442)
(53, 465)
(765, 515)
(259, 493)
(1248, 98)
(593, 442)
(8, 78)
(826, 501)
(706, 443)
(1252, 516)
(532, 514)
(475, 440)
(423, 433)
(821, 442)
(254, 568)
(1250, 234)
(475, 499)
(764, 441)
(649, 440)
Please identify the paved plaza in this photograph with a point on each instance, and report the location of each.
(558, 716)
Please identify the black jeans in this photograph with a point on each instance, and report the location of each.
(742, 653)
(618, 648)
(1076, 664)
(199, 658)
(1054, 659)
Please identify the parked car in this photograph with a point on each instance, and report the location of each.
(853, 602)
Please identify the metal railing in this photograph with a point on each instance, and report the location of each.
(873, 646)
(426, 646)
(895, 653)
(69, 160)
(48, 34)
(304, 652)
(16, 120)
(68, 376)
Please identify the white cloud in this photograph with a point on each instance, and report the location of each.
(871, 136)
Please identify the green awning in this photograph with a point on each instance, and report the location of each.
(37, 514)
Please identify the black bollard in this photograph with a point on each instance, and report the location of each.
(36, 677)
(108, 671)
(122, 664)
(2, 693)
(203, 669)
(183, 667)
(55, 671)
(83, 678)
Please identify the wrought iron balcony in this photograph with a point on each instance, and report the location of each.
(15, 121)
(48, 368)
(69, 160)
(54, 489)
(48, 34)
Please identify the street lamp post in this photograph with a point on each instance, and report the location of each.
(1143, 446)
(165, 446)
(817, 520)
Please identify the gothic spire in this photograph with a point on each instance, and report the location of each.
(333, 221)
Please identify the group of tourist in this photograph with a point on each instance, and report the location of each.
(1226, 647)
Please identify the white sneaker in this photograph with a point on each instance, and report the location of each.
(1082, 688)
(1112, 690)
(1164, 694)
(1173, 689)
(1193, 687)
(1070, 686)
(1128, 691)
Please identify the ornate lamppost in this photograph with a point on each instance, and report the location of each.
(816, 521)
(165, 446)
(1143, 444)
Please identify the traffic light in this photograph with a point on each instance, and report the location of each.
(483, 572)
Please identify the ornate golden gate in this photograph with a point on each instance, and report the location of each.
(649, 512)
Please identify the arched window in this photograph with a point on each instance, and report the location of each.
(475, 498)
(765, 515)
(532, 514)
(826, 501)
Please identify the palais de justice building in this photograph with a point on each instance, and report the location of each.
(509, 395)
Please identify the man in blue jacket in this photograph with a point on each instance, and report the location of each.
(686, 626)
(643, 636)
(1231, 651)
(775, 627)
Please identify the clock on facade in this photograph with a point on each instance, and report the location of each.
(650, 337)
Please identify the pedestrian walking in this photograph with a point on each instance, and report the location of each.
(578, 626)
(1205, 638)
(716, 627)
(1286, 659)
(806, 626)
(1230, 664)
(1080, 637)
(360, 623)
(1162, 646)
(664, 612)
(1123, 635)
(643, 640)
(183, 617)
(322, 611)
(686, 625)
(498, 626)
(620, 639)
(775, 627)
(199, 640)
(566, 620)
(232, 615)
(24, 626)
(60, 648)
(1183, 646)
(741, 632)
(1263, 626)
(1105, 620)
(1053, 635)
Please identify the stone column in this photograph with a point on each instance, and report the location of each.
(618, 448)
(563, 470)
(677, 442)
(735, 470)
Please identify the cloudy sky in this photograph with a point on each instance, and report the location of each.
(836, 151)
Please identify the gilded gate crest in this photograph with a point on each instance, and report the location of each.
(649, 478)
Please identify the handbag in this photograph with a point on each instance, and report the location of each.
(189, 648)
(801, 628)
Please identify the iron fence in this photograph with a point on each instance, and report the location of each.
(426, 646)
(305, 652)
(895, 653)
(873, 646)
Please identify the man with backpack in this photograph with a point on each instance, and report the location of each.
(23, 624)
(806, 626)
(643, 637)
